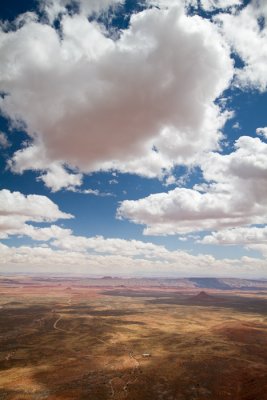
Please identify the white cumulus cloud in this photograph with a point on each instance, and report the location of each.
(241, 235)
(252, 237)
(93, 102)
(54, 174)
(246, 32)
(234, 194)
(16, 209)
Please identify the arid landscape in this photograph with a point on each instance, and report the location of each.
(116, 339)
(133, 200)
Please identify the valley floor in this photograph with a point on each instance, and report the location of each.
(62, 342)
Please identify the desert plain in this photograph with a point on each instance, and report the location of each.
(99, 339)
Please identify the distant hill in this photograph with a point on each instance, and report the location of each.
(204, 297)
(212, 283)
(229, 283)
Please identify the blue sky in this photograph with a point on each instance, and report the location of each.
(133, 137)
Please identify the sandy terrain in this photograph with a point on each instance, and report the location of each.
(61, 341)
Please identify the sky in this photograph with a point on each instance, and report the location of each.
(133, 137)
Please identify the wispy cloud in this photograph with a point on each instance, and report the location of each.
(4, 143)
(94, 192)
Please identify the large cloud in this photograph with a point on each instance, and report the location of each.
(235, 194)
(93, 102)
